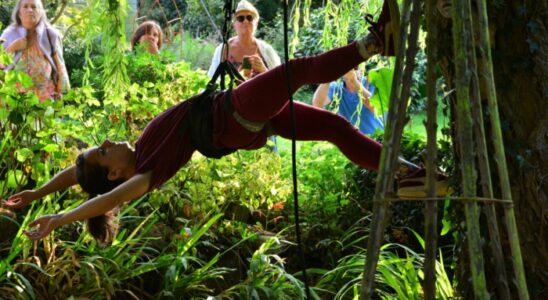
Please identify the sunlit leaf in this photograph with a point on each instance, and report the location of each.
(23, 154)
(24, 79)
(15, 177)
(50, 148)
(3, 114)
(381, 79)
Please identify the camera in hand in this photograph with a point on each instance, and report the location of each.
(246, 64)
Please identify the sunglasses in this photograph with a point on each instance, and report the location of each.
(241, 19)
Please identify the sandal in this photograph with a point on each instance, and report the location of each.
(386, 29)
(413, 185)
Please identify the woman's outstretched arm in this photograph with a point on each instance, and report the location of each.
(61, 181)
(132, 189)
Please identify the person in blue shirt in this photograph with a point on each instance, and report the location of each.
(350, 91)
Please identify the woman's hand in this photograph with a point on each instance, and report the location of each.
(20, 200)
(19, 44)
(45, 224)
(257, 64)
(150, 45)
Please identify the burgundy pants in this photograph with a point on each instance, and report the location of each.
(265, 98)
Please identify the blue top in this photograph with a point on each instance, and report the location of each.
(348, 107)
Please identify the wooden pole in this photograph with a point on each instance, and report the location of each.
(380, 210)
(462, 38)
(392, 139)
(501, 283)
(431, 207)
(486, 73)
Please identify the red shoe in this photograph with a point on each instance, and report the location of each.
(413, 185)
(386, 30)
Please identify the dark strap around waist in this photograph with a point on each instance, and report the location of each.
(198, 125)
(199, 122)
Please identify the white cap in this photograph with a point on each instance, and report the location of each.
(244, 5)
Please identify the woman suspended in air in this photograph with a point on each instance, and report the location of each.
(215, 124)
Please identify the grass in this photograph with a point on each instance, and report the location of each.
(417, 124)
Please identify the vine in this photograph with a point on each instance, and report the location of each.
(106, 23)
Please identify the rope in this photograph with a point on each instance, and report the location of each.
(228, 15)
(293, 152)
(225, 67)
(211, 19)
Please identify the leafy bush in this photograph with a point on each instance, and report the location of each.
(196, 19)
(397, 277)
(322, 172)
(267, 277)
(196, 51)
(250, 178)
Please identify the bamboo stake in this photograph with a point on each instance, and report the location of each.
(383, 178)
(392, 139)
(431, 212)
(485, 173)
(462, 44)
(486, 73)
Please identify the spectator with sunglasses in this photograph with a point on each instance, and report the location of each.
(250, 55)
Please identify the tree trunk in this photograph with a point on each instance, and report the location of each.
(520, 60)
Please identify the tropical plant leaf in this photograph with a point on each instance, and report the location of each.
(381, 79)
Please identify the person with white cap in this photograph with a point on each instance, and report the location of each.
(250, 55)
(259, 56)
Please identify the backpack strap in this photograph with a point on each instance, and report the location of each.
(53, 54)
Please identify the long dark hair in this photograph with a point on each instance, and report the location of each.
(143, 29)
(94, 180)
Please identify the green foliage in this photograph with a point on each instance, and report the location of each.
(27, 133)
(107, 22)
(267, 277)
(165, 12)
(73, 49)
(82, 269)
(398, 276)
(332, 25)
(251, 178)
(156, 87)
(322, 173)
(186, 274)
(5, 14)
(196, 19)
(175, 242)
(146, 67)
(381, 79)
(197, 52)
